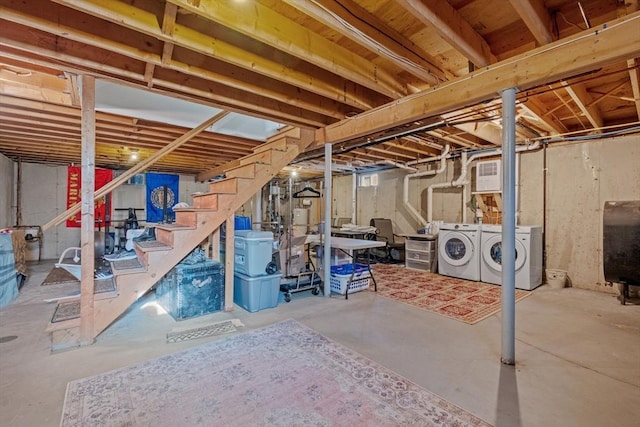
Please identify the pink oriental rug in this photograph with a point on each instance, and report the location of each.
(458, 299)
(281, 375)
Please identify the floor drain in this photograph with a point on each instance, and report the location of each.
(8, 338)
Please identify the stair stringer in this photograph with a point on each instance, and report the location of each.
(132, 286)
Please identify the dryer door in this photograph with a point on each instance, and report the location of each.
(492, 253)
(456, 248)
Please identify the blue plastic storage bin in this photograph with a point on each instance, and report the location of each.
(253, 250)
(256, 293)
(347, 268)
(242, 222)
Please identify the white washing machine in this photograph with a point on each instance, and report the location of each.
(459, 250)
(528, 256)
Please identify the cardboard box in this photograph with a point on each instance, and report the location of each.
(294, 261)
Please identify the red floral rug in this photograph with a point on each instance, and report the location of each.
(458, 299)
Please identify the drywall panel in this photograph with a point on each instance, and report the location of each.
(7, 210)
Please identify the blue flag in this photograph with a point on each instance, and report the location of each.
(156, 183)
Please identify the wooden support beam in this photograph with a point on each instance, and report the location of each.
(582, 99)
(614, 41)
(267, 26)
(634, 76)
(131, 17)
(88, 225)
(139, 167)
(452, 27)
(536, 18)
(375, 38)
(229, 257)
(168, 25)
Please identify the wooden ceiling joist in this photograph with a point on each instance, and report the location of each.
(585, 51)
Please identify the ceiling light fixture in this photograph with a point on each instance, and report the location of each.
(134, 155)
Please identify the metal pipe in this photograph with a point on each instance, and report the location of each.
(354, 198)
(326, 262)
(508, 225)
(405, 187)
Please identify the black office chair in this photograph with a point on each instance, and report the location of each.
(393, 252)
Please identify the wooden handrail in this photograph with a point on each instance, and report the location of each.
(137, 168)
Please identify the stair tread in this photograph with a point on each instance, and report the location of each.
(128, 266)
(175, 226)
(152, 246)
(229, 191)
(195, 209)
(64, 324)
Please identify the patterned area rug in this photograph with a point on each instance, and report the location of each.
(458, 299)
(281, 375)
(66, 311)
(59, 276)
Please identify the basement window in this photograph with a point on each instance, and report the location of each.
(370, 180)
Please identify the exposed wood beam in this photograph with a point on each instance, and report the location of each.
(88, 226)
(146, 23)
(536, 18)
(547, 119)
(252, 103)
(634, 76)
(569, 108)
(609, 93)
(355, 26)
(580, 96)
(273, 29)
(168, 25)
(487, 131)
(452, 27)
(149, 68)
(590, 49)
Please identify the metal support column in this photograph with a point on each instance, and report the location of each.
(508, 225)
(326, 262)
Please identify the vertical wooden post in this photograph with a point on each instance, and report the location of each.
(87, 209)
(214, 244)
(229, 258)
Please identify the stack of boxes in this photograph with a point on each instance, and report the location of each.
(254, 288)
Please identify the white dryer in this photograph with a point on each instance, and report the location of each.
(528, 256)
(459, 250)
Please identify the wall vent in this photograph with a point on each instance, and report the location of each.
(489, 176)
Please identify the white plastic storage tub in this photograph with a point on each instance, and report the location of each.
(253, 251)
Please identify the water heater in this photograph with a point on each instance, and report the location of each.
(489, 176)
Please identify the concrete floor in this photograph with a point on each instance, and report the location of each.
(577, 352)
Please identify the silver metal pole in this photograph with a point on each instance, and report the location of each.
(326, 262)
(508, 225)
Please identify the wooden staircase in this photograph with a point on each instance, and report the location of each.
(192, 225)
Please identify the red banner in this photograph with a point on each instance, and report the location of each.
(74, 184)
